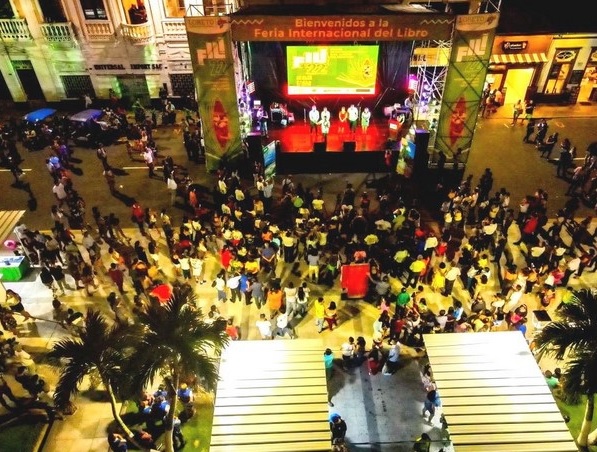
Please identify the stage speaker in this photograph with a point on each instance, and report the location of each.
(319, 147)
(349, 146)
(421, 164)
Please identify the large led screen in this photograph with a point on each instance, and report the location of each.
(331, 69)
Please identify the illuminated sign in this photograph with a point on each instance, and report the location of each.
(341, 28)
(514, 46)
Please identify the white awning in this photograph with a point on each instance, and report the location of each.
(271, 397)
(494, 396)
(519, 58)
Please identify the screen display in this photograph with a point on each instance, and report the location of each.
(269, 159)
(331, 69)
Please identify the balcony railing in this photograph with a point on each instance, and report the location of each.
(138, 34)
(174, 30)
(14, 30)
(58, 32)
(99, 30)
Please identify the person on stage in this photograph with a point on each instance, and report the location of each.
(365, 119)
(325, 113)
(353, 117)
(325, 126)
(313, 119)
(343, 118)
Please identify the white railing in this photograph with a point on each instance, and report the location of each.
(14, 30)
(99, 30)
(138, 34)
(58, 32)
(174, 30)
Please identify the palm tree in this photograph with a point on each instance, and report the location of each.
(174, 339)
(574, 338)
(94, 351)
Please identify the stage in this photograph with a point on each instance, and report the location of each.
(300, 151)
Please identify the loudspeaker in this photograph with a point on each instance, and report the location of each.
(349, 146)
(319, 147)
(421, 164)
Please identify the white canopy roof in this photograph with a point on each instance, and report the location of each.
(272, 397)
(494, 396)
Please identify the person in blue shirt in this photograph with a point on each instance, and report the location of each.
(432, 401)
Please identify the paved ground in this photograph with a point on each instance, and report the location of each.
(378, 409)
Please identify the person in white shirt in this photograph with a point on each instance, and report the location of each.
(348, 349)
(353, 117)
(282, 326)
(265, 327)
(233, 283)
(290, 298)
(149, 160)
(313, 119)
(325, 114)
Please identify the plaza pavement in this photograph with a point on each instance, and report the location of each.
(379, 410)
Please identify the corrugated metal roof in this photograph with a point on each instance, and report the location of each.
(272, 397)
(494, 396)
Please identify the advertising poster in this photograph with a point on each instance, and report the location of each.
(269, 160)
(471, 51)
(213, 70)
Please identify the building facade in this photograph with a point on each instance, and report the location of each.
(52, 50)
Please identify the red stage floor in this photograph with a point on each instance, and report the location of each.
(296, 137)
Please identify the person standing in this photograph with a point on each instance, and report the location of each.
(529, 109)
(314, 118)
(353, 117)
(348, 349)
(117, 277)
(265, 327)
(343, 120)
(319, 314)
(338, 428)
(391, 365)
(325, 128)
(365, 119)
(517, 111)
(102, 155)
(110, 180)
(283, 325)
(138, 217)
(149, 159)
(530, 130)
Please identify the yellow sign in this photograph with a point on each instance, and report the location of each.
(430, 56)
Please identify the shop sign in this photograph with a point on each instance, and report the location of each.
(514, 46)
(430, 56)
(134, 67)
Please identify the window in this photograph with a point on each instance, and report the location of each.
(136, 12)
(52, 11)
(6, 10)
(560, 70)
(94, 9)
(175, 8)
(75, 86)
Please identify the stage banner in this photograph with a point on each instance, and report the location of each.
(342, 28)
(213, 70)
(469, 60)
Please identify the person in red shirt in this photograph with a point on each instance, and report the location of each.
(225, 257)
(529, 229)
(117, 277)
(138, 217)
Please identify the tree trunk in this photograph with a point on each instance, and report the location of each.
(582, 439)
(127, 431)
(169, 421)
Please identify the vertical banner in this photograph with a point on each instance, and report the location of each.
(471, 51)
(210, 44)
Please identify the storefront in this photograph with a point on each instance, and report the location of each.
(516, 65)
(588, 83)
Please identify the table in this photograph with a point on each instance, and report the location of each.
(13, 268)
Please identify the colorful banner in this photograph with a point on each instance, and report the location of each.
(471, 50)
(213, 69)
(417, 27)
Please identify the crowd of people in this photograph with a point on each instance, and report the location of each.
(279, 249)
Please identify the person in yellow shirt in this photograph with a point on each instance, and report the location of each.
(319, 314)
(414, 271)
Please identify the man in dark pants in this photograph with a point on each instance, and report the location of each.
(530, 130)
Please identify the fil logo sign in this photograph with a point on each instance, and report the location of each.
(310, 59)
(213, 50)
(476, 48)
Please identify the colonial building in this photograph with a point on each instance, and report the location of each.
(52, 50)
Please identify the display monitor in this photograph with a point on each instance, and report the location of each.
(333, 69)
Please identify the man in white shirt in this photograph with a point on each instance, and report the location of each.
(264, 326)
(282, 326)
(313, 119)
(233, 283)
(450, 278)
(353, 117)
(348, 349)
(149, 160)
(59, 192)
